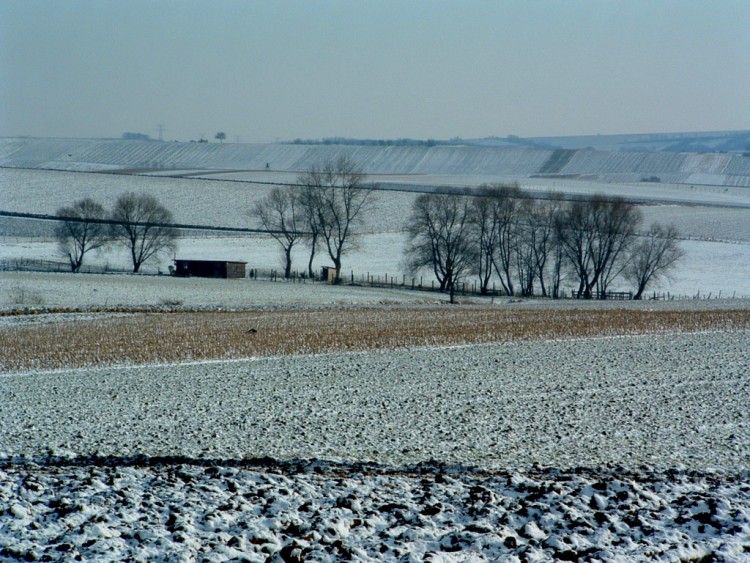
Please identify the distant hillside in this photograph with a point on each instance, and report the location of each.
(712, 141)
(722, 169)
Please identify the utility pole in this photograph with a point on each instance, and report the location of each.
(160, 128)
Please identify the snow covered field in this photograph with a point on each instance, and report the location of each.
(616, 449)
(457, 160)
(611, 449)
(18, 289)
(661, 400)
(717, 257)
(630, 448)
(709, 267)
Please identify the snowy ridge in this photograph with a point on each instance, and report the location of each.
(307, 510)
(71, 154)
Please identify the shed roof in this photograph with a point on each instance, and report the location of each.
(209, 261)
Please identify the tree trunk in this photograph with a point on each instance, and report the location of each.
(337, 265)
(313, 245)
(639, 293)
(74, 264)
(288, 262)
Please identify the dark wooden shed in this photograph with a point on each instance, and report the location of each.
(209, 268)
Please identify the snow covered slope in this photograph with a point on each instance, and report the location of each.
(93, 155)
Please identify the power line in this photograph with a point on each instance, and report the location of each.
(181, 226)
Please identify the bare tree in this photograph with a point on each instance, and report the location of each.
(307, 201)
(557, 265)
(653, 256)
(575, 236)
(526, 246)
(143, 226)
(487, 224)
(483, 223)
(80, 232)
(595, 236)
(538, 221)
(506, 200)
(338, 200)
(555, 257)
(441, 238)
(281, 215)
(616, 223)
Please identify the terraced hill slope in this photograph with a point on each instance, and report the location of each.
(97, 155)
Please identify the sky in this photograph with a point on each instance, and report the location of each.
(262, 71)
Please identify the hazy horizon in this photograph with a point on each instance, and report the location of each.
(266, 71)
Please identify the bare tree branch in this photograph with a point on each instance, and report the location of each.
(80, 233)
(142, 225)
(281, 214)
(337, 200)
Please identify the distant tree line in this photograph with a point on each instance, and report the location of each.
(530, 245)
(378, 142)
(136, 137)
(137, 221)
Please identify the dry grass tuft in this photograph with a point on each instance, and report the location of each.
(177, 337)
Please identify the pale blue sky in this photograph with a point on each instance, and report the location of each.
(372, 69)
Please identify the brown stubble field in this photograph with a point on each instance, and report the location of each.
(170, 337)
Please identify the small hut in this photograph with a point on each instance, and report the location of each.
(328, 274)
(210, 268)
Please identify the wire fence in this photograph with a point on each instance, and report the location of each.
(367, 279)
(37, 265)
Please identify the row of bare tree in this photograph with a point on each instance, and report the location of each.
(502, 233)
(497, 232)
(137, 221)
(327, 207)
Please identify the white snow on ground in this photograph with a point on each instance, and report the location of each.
(717, 256)
(37, 290)
(73, 154)
(619, 449)
(65, 290)
(661, 400)
(173, 511)
(623, 449)
(707, 268)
